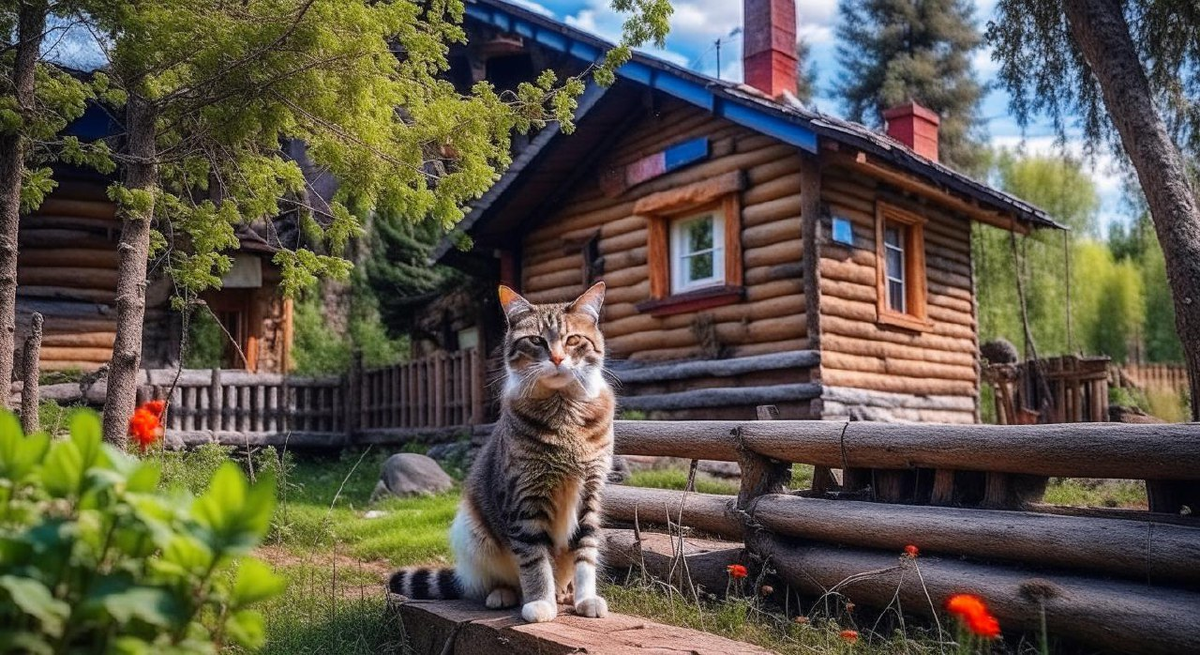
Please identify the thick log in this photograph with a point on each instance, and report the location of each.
(892, 384)
(863, 397)
(690, 564)
(89, 208)
(1110, 615)
(849, 328)
(1089, 450)
(106, 296)
(691, 439)
(718, 367)
(755, 349)
(80, 339)
(54, 238)
(769, 212)
(81, 354)
(722, 397)
(178, 439)
(709, 513)
(780, 252)
(882, 349)
(74, 276)
(58, 312)
(734, 315)
(1151, 552)
(898, 366)
(780, 187)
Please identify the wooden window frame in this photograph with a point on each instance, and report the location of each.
(660, 259)
(916, 290)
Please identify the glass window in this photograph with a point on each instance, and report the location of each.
(894, 272)
(697, 252)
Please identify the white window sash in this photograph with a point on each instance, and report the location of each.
(680, 253)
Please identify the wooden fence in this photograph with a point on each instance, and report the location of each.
(439, 393)
(1102, 576)
(1172, 377)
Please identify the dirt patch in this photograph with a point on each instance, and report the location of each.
(280, 557)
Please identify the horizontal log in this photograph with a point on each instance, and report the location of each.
(79, 354)
(773, 210)
(710, 513)
(44, 221)
(892, 384)
(716, 367)
(60, 311)
(779, 252)
(81, 339)
(1152, 553)
(180, 439)
(691, 439)
(739, 313)
(722, 397)
(1085, 450)
(901, 366)
(863, 397)
(620, 242)
(54, 238)
(872, 332)
(69, 365)
(780, 187)
(769, 347)
(1105, 614)
(106, 296)
(88, 208)
(74, 276)
(772, 170)
(768, 233)
(689, 564)
(792, 271)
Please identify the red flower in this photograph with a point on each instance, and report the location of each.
(737, 571)
(972, 610)
(850, 635)
(911, 550)
(145, 426)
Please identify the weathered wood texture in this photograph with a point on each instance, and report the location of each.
(466, 628)
(860, 353)
(1110, 615)
(1145, 551)
(694, 565)
(1097, 450)
(708, 513)
(691, 439)
(771, 316)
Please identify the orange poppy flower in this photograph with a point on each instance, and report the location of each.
(850, 636)
(911, 550)
(145, 426)
(974, 613)
(737, 571)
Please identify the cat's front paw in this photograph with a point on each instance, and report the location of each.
(593, 608)
(539, 611)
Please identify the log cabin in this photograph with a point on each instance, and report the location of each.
(67, 271)
(755, 251)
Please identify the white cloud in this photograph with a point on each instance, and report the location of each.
(534, 7)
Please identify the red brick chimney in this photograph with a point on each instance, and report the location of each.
(914, 126)
(769, 45)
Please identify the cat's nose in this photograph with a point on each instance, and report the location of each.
(556, 358)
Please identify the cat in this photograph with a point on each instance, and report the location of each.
(528, 526)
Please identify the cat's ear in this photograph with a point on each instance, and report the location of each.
(590, 302)
(513, 304)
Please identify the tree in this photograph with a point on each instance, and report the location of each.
(36, 102)
(1127, 69)
(806, 72)
(210, 90)
(894, 51)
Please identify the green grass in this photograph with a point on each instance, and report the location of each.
(1083, 492)
(676, 478)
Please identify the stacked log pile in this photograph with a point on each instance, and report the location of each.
(1100, 576)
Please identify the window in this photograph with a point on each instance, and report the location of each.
(693, 245)
(697, 252)
(900, 265)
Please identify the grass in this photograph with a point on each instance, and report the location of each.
(1086, 492)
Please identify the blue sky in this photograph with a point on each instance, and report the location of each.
(697, 24)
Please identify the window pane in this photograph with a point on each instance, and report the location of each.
(896, 296)
(895, 264)
(700, 234)
(891, 236)
(700, 267)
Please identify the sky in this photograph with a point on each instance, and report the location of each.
(697, 24)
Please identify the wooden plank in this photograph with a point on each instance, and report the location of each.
(1097, 450)
(716, 367)
(692, 439)
(1105, 614)
(709, 513)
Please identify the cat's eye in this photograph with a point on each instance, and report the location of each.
(574, 340)
(537, 341)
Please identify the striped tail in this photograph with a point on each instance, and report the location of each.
(425, 584)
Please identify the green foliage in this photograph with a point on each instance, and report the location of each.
(1086, 492)
(397, 270)
(317, 348)
(1162, 340)
(206, 341)
(192, 470)
(894, 51)
(94, 557)
(806, 71)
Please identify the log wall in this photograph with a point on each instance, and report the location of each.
(872, 371)
(769, 319)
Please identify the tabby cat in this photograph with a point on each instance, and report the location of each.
(528, 524)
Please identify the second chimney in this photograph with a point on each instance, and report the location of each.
(914, 126)
(769, 45)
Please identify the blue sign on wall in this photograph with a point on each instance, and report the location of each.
(843, 231)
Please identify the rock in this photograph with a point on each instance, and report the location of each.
(410, 474)
(449, 452)
(620, 470)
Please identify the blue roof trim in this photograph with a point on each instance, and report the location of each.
(681, 87)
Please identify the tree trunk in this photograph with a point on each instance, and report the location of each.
(141, 174)
(1102, 35)
(31, 23)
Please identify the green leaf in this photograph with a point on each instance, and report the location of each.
(255, 582)
(19, 454)
(86, 434)
(17, 641)
(62, 471)
(119, 598)
(235, 515)
(35, 599)
(246, 628)
(144, 478)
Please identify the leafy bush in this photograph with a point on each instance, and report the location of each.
(93, 557)
(206, 341)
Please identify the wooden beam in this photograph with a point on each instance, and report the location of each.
(691, 439)
(723, 397)
(717, 367)
(709, 513)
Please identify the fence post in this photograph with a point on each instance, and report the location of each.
(354, 386)
(439, 389)
(760, 475)
(477, 387)
(30, 393)
(216, 402)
